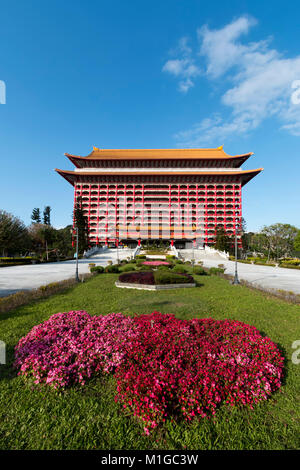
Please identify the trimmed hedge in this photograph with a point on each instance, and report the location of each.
(216, 271)
(97, 269)
(112, 268)
(128, 268)
(199, 271)
(179, 269)
(169, 277)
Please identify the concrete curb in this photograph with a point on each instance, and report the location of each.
(131, 285)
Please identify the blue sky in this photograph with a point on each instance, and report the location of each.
(149, 74)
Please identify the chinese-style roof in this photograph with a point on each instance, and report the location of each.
(161, 154)
(244, 175)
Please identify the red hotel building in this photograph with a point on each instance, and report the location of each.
(179, 195)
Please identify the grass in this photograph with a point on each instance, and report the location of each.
(88, 418)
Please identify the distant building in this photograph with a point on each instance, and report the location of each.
(178, 195)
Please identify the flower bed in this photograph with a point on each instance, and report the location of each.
(188, 368)
(156, 263)
(73, 346)
(155, 278)
(164, 367)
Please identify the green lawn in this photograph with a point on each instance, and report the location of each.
(88, 418)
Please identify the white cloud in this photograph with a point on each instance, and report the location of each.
(259, 83)
(183, 68)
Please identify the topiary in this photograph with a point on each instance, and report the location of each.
(179, 269)
(113, 268)
(97, 269)
(199, 271)
(216, 270)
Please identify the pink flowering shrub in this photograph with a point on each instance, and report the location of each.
(187, 368)
(73, 346)
(156, 263)
(164, 367)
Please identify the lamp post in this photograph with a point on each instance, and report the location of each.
(236, 278)
(76, 272)
(76, 269)
(118, 260)
(193, 252)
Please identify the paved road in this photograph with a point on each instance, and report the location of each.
(263, 276)
(16, 278)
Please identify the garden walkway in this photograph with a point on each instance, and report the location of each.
(17, 278)
(267, 277)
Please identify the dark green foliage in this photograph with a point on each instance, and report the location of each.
(14, 237)
(97, 269)
(222, 240)
(216, 271)
(297, 242)
(127, 268)
(46, 215)
(113, 268)
(169, 277)
(163, 268)
(81, 222)
(36, 216)
(179, 269)
(199, 271)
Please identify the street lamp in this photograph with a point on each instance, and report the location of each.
(193, 252)
(236, 278)
(118, 260)
(76, 269)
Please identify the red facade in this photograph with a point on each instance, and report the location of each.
(159, 194)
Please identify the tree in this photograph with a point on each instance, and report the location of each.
(281, 239)
(13, 234)
(297, 242)
(36, 216)
(46, 215)
(222, 240)
(258, 243)
(81, 222)
(63, 241)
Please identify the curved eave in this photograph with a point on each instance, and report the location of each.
(157, 154)
(245, 176)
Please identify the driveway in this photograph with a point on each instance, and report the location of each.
(17, 278)
(263, 276)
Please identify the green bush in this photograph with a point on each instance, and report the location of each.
(178, 261)
(113, 268)
(179, 269)
(170, 257)
(97, 269)
(127, 267)
(163, 268)
(290, 266)
(168, 277)
(199, 271)
(142, 267)
(140, 256)
(290, 262)
(216, 271)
